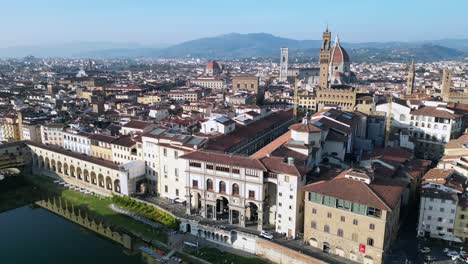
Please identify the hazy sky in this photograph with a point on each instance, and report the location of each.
(31, 22)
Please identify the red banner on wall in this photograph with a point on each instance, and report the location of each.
(362, 248)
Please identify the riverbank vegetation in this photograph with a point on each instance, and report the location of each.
(217, 256)
(146, 210)
(16, 192)
(98, 207)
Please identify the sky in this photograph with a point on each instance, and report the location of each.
(156, 22)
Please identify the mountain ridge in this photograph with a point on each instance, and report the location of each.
(238, 45)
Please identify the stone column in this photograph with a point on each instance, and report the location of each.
(214, 212)
(230, 216)
(242, 218)
(203, 209)
(260, 221)
(188, 204)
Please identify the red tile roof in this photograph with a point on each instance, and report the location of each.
(234, 160)
(380, 193)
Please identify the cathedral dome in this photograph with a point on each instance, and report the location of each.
(339, 54)
(213, 66)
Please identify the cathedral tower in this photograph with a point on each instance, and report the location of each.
(410, 80)
(284, 65)
(324, 58)
(446, 83)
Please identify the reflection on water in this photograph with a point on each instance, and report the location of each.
(32, 234)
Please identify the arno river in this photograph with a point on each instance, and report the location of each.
(33, 235)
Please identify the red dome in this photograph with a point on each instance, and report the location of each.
(339, 55)
(213, 65)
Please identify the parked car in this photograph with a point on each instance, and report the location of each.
(425, 250)
(452, 253)
(266, 235)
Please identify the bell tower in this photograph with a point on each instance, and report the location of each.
(324, 58)
(284, 65)
(445, 86)
(410, 80)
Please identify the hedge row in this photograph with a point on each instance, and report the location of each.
(145, 210)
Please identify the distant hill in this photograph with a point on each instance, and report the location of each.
(251, 45)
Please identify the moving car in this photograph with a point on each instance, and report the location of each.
(266, 235)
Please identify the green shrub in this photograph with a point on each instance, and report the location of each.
(145, 210)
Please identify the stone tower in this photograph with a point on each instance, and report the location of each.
(446, 83)
(410, 80)
(284, 65)
(324, 58)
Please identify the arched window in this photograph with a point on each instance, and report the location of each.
(340, 232)
(222, 187)
(402, 117)
(370, 242)
(209, 185)
(235, 189)
(326, 229)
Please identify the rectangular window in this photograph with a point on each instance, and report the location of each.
(251, 194)
(195, 184)
(176, 172)
(250, 172)
(374, 212)
(315, 197)
(195, 164)
(209, 166)
(236, 171)
(176, 154)
(165, 189)
(223, 169)
(165, 152)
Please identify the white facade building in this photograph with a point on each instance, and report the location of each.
(437, 212)
(77, 142)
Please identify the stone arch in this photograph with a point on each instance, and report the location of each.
(93, 178)
(368, 259)
(72, 171)
(65, 168)
(117, 186)
(78, 173)
(41, 162)
(109, 183)
(86, 175)
(35, 160)
(313, 242)
(101, 180)
(59, 167)
(47, 163)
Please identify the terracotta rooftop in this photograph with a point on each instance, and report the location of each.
(434, 112)
(278, 165)
(137, 124)
(281, 140)
(380, 193)
(234, 160)
(437, 174)
(97, 161)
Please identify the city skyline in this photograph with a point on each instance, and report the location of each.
(153, 23)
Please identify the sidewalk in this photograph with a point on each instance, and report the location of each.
(299, 246)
